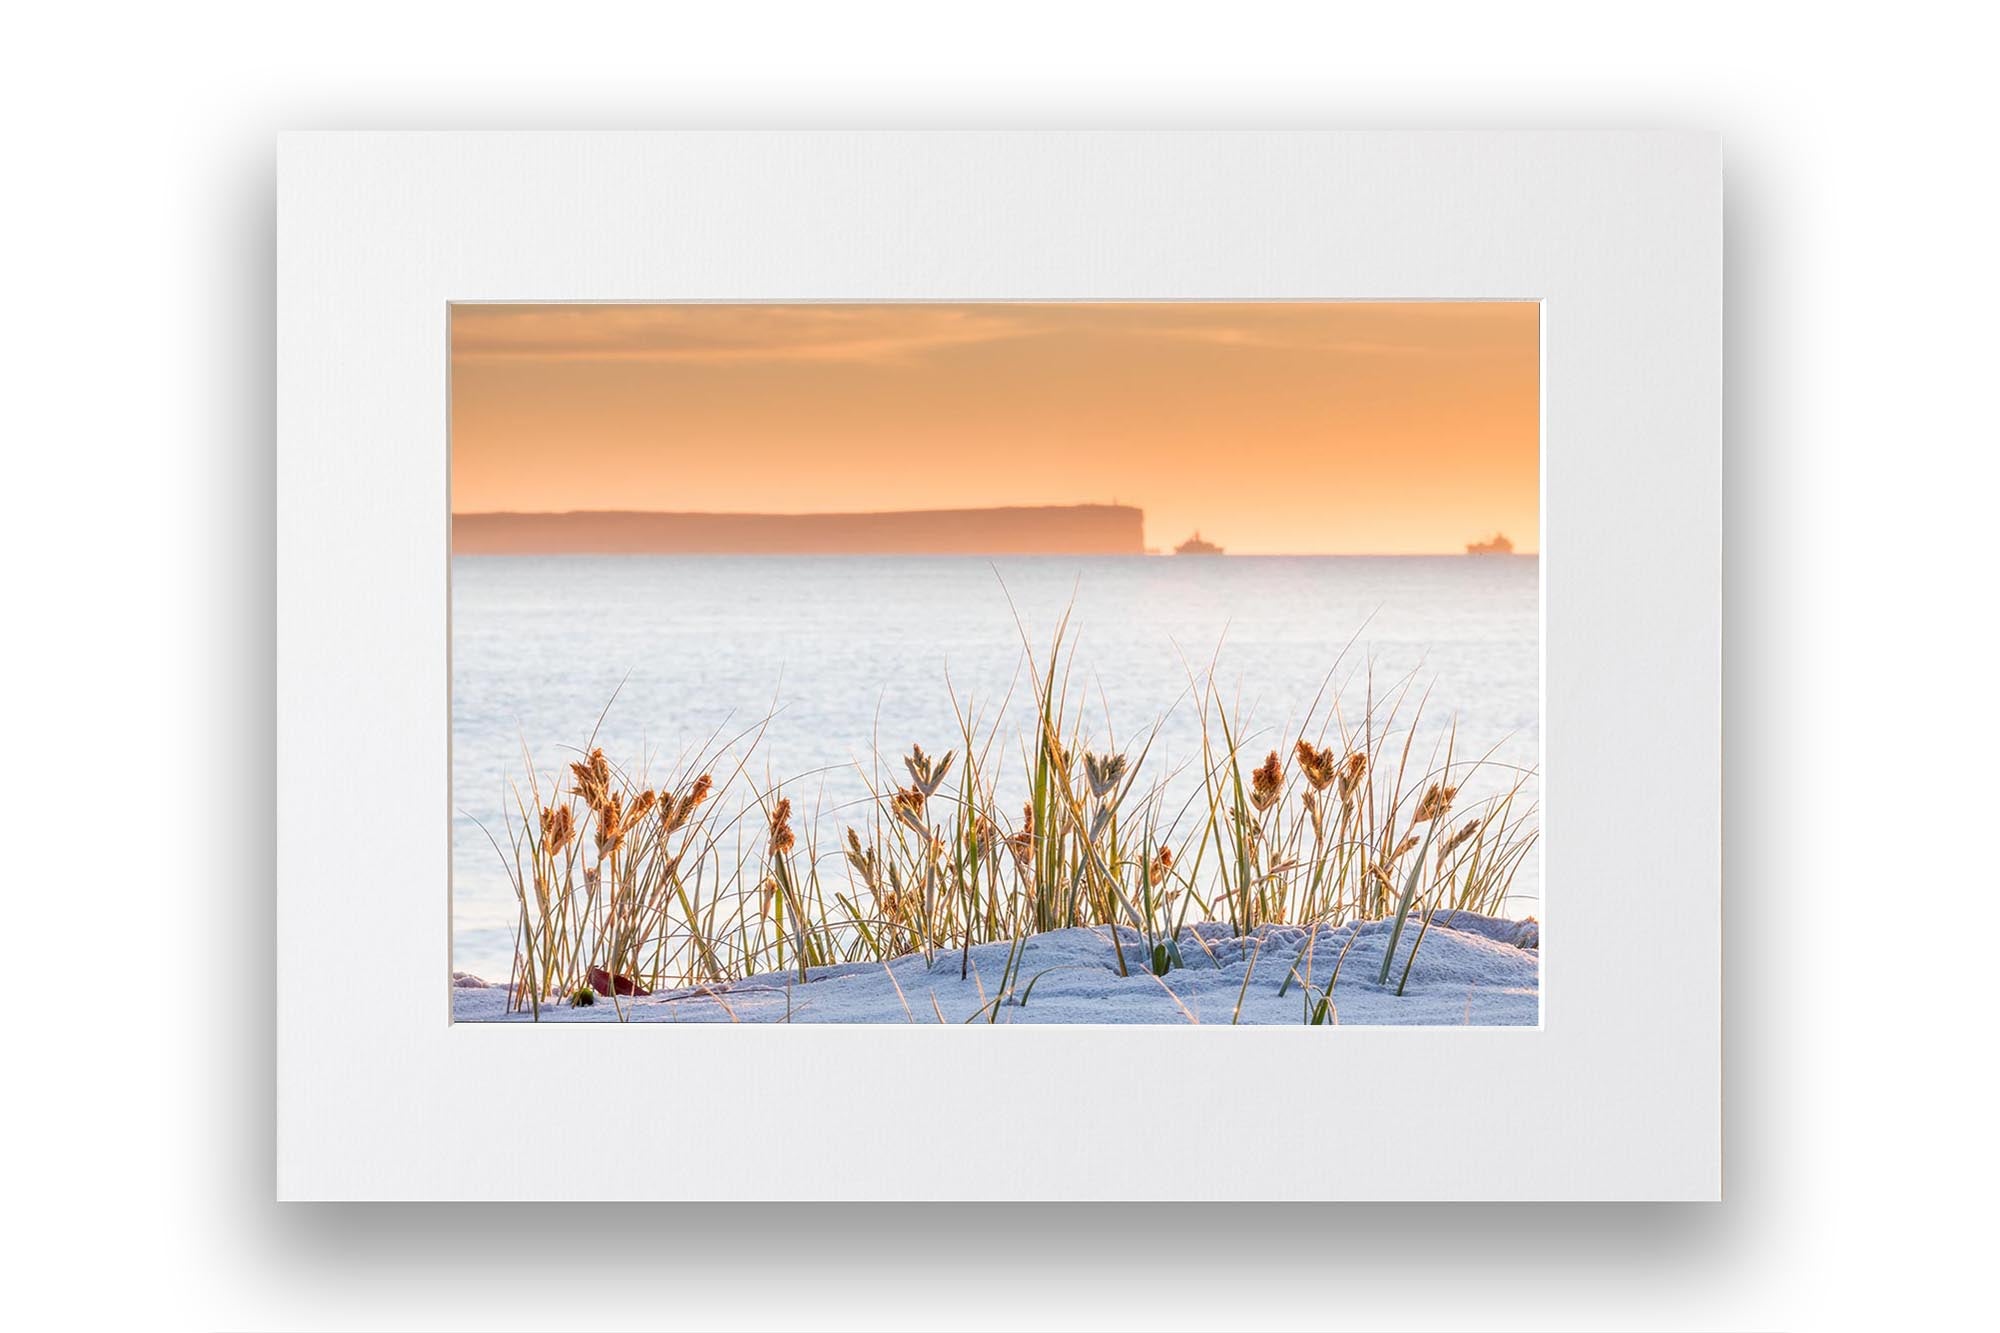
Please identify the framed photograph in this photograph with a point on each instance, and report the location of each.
(945, 666)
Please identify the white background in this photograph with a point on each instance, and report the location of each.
(1620, 235)
(1858, 754)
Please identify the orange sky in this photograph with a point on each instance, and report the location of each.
(1273, 427)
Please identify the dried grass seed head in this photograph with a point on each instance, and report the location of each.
(1318, 765)
(1103, 773)
(1436, 801)
(1267, 782)
(782, 837)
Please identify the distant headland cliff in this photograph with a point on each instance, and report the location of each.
(1036, 530)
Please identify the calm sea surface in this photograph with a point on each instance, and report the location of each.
(842, 649)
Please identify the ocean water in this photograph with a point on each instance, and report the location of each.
(839, 650)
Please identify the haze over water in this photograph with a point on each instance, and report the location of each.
(848, 649)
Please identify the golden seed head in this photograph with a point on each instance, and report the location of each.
(782, 838)
(1459, 839)
(926, 773)
(1163, 861)
(907, 804)
(675, 811)
(1022, 841)
(558, 827)
(1103, 774)
(1409, 841)
(1318, 765)
(1436, 801)
(611, 828)
(862, 859)
(1266, 782)
(1352, 770)
(593, 779)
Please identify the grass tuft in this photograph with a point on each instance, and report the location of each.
(701, 877)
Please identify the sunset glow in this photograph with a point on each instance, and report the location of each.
(1376, 428)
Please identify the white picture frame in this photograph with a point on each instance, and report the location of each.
(1615, 1096)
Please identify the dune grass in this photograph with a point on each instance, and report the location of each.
(629, 882)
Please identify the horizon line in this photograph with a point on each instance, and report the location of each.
(799, 513)
(1013, 555)
(1091, 513)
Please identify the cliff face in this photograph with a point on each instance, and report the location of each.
(1044, 530)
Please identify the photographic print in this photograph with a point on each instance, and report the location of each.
(996, 663)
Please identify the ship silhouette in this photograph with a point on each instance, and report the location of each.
(1497, 544)
(1196, 546)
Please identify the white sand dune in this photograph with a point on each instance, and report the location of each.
(1468, 970)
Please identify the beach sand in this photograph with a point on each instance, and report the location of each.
(1469, 970)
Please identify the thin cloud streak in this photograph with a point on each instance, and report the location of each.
(712, 335)
(750, 334)
(1234, 337)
